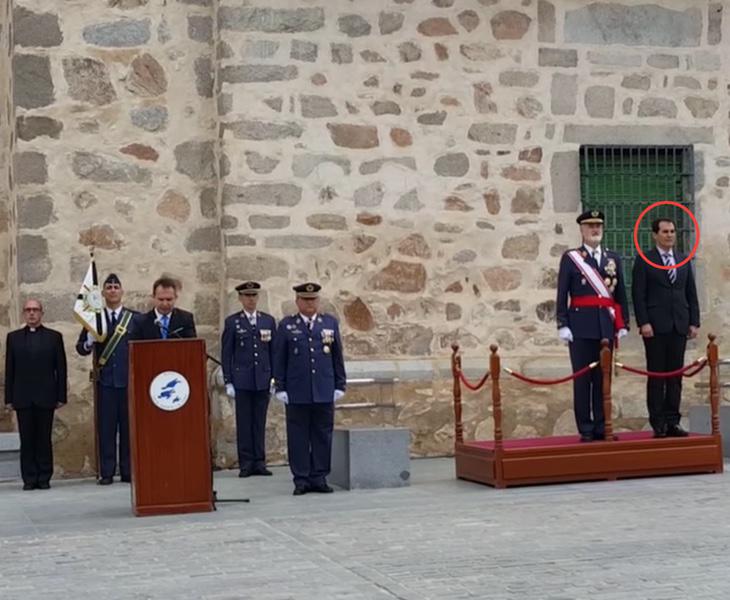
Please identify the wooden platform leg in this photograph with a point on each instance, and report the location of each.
(494, 370)
(607, 370)
(455, 370)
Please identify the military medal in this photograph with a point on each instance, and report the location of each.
(265, 335)
(326, 349)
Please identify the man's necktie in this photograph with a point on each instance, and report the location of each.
(252, 320)
(310, 324)
(669, 261)
(112, 320)
(596, 257)
(165, 322)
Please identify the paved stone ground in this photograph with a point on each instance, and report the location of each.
(660, 538)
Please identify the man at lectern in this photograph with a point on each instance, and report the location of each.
(309, 374)
(246, 355)
(165, 321)
(111, 364)
(591, 306)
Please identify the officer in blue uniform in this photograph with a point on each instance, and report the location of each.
(247, 355)
(111, 367)
(591, 306)
(309, 374)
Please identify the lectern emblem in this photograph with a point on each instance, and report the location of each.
(169, 390)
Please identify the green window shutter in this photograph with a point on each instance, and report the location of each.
(622, 181)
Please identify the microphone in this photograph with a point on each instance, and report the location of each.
(162, 327)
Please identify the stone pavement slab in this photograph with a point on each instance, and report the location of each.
(658, 538)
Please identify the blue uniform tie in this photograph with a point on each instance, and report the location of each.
(164, 321)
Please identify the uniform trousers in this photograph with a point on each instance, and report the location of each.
(251, 408)
(588, 389)
(35, 425)
(113, 418)
(309, 442)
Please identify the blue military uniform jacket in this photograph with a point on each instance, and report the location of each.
(309, 365)
(115, 373)
(247, 352)
(590, 322)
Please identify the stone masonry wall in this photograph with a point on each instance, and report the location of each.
(417, 157)
(116, 128)
(7, 196)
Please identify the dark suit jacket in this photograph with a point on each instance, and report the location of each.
(182, 325)
(667, 307)
(35, 368)
(115, 373)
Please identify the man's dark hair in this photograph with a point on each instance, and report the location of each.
(655, 223)
(164, 282)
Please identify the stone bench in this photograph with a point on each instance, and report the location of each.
(370, 457)
(700, 422)
(9, 456)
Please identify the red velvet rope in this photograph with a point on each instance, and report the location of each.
(697, 365)
(473, 387)
(575, 375)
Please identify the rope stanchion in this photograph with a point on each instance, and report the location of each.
(534, 381)
(474, 387)
(689, 370)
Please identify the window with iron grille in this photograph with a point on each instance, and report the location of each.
(622, 181)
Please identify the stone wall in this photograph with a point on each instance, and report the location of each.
(7, 195)
(417, 157)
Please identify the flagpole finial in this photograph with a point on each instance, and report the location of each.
(91, 252)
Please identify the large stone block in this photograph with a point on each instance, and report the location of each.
(258, 73)
(637, 134)
(34, 261)
(565, 181)
(125, 33)
(264, 130)
(370, 458)
(257, 267)
(9, 456)
(99, 168)
(149, 118)
(30, 168)
(563, 94)
(34, 211)
(88, 81)
(700, 421)
(599, 101)
(545, 21)
(32, 29)
(263, 194)
(493, 133)
(269, 20)
(146, 77)
(32, 81)
(29, 127)
(642, 25)
(196, 160)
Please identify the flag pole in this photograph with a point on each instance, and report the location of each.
(94, 375)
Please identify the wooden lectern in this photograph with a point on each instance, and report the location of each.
(169, 435)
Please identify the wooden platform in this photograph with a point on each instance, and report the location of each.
(566, 459)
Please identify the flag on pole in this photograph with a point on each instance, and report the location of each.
(89, 306)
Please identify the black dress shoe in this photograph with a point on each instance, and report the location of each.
(245, 473)
(105, 481)
(44, 485)
(262, 471)
(299, 491)
(599, 436)
(586, 437)
(660, 433)
(676, 431)
(28, 486)
(126, 479)
(321, 489)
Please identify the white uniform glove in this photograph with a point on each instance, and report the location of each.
(282, 397)
(230, 390)
(565, 334)
(89, 341)
(622, 333)
(338, 394)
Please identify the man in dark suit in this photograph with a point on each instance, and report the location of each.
(164, 321)
(35, 386)
(309, 373)
(246, 356)
(667, 312)
(111, 375)
(591, 306)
